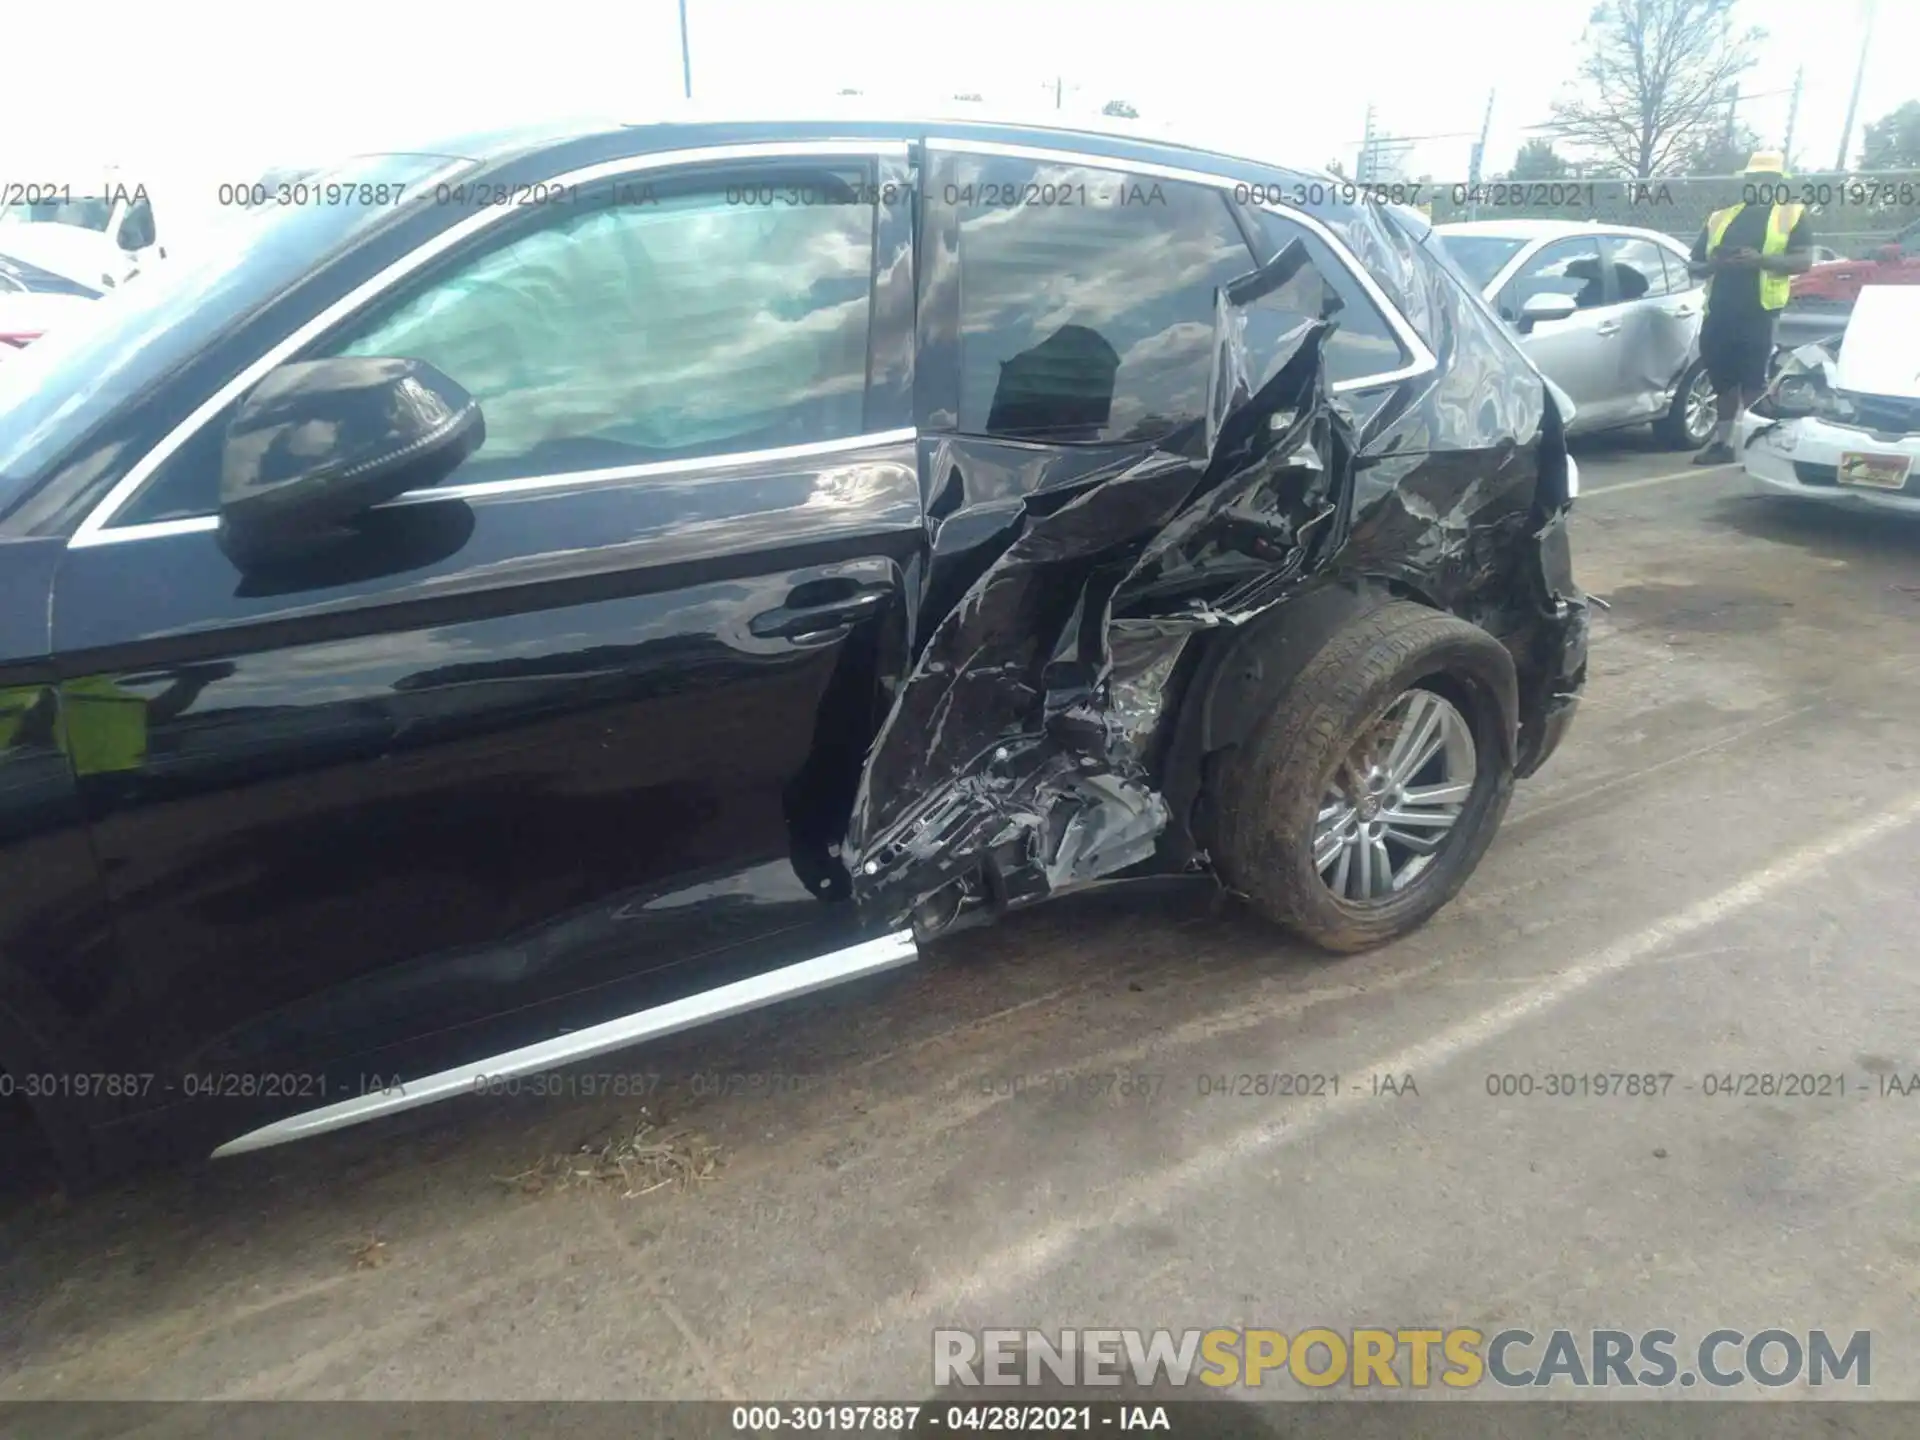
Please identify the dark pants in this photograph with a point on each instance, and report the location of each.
(1736, 349)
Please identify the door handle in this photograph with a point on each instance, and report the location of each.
(1612, 327)
(1683, 311)
(793, 622)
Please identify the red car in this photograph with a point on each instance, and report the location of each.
(1839, 282)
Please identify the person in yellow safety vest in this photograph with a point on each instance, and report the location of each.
(1747, 254)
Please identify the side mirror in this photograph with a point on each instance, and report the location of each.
(1890, 254)
(318, 443)
(1547, 305)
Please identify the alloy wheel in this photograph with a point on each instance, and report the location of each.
(1395, 799)
(1703, 408)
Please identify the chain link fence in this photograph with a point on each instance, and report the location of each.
(1853, 213)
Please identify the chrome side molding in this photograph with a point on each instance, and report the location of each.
(790, 981)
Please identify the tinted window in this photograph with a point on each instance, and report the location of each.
(666, 329)
(1087, 299)
(1362, 343)
(57, 389)
(669, 328)
(1479, 257)
(1566, 267)
(1639, 270)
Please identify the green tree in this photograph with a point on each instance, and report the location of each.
(1654, 81)
(1538, 160)
(1893, 141)
(1120, 108)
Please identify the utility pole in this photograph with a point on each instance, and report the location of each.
(1853, 100)
(1733, 105)
(1478, 159)
(1059, 88)
(686, 55)
(1793, 116)
(1366, 151)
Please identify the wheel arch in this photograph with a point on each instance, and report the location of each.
(1239, 678)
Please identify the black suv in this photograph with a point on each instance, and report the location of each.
(548, 591)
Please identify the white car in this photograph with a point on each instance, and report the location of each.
(100, 240)
(1609, 312)
(33, 300)
(1841, 421)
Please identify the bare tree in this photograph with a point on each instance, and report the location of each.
(1655, 80)
(1723, 150)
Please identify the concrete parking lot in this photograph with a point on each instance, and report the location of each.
(1714, 878)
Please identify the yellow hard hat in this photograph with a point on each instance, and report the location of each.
(1766, 162)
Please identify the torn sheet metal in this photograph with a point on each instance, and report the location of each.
(1012, 764)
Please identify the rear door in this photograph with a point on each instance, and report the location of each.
(1582, 352)
(1659, 330)
(573, 733)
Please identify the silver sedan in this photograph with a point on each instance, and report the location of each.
(1608, 313)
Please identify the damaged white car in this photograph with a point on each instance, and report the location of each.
(1841, 420)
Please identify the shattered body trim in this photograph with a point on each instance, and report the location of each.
(1033, 750)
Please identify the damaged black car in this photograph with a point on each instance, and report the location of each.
(562, 587)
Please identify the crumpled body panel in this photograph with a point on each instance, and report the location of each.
(1018, 758)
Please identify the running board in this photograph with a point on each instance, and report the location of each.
(786, 983)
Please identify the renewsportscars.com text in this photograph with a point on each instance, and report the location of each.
(1414, 1358)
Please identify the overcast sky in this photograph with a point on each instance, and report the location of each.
(205, 86)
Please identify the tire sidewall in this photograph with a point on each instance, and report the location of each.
(1676, 426)
(1454, 671)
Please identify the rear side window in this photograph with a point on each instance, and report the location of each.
(1362, 344)
(1639, 268)
(1679, 278)
(1086, 298)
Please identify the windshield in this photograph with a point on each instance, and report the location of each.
(63, 385)
(1479, 256)
(89, 212)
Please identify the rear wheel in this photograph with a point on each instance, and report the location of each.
(1368, 796)
(1693, 414)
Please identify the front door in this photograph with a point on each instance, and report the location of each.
(1580, 354)
(573, 733)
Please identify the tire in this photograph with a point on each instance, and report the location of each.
(1268, 793)
(1684, 427)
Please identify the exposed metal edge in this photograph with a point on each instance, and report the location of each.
(1423, 358)
(484, 488)
(788, 982)
(372, 289)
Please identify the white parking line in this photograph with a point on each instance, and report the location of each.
(1153, 1193)
(1589, 490)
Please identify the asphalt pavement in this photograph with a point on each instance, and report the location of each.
(1046, 1125)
